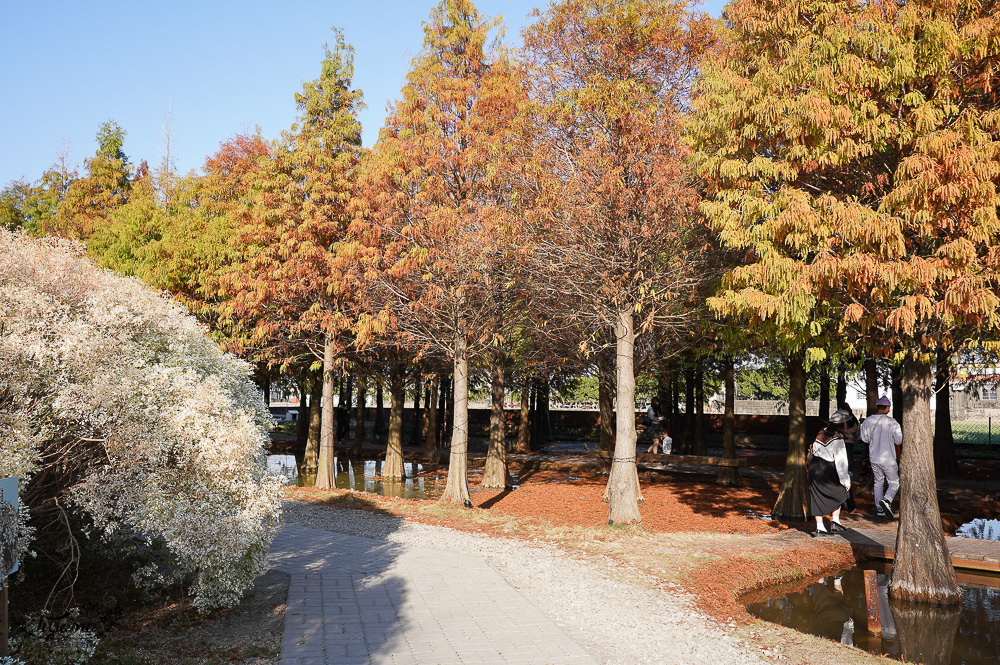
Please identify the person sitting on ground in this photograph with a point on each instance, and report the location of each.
(883, 435)
(667, 444)
(829, 482)
(653, 413)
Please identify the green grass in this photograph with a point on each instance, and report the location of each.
(976, 433)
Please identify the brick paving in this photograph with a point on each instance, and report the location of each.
(358, 601)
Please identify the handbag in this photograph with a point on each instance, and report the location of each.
(849, 504)
(646, 422)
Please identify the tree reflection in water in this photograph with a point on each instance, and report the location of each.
(926, 632)
(835, 609)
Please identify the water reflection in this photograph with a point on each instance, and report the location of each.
(926, 633)
(980, 529)
(414, 486)
(834, 607)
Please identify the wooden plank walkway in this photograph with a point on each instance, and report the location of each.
(648, 458)
(966, 553)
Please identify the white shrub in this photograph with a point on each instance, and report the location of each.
(164, 433)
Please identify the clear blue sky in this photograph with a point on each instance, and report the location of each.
(220, 67)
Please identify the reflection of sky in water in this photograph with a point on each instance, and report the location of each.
(980, 529)
(935, 637)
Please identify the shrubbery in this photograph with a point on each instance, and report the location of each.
(114, 402)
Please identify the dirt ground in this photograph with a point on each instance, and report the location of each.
(172, 632)
(717, 543)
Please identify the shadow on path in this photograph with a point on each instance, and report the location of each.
(343, 599)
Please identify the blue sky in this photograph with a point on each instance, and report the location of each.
(219, 67)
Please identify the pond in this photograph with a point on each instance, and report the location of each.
(366, 478)
(981, 529)
(834, 607)
(420, 483)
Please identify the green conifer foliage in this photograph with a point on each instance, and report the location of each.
(854, 154)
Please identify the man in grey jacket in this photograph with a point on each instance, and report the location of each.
(883, 436)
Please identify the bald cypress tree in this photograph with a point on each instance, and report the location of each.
(293, 285)
(854, 150)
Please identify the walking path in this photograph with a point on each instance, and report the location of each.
(966, 553)
(359, 601)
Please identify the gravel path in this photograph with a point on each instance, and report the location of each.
(616, 621)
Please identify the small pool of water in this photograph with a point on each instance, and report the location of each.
(834, 607)
(420, 483)
(980, 529)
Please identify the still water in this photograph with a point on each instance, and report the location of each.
(366, 478)
(980, 529)
(834, 607)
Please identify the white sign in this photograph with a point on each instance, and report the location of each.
(8, 526)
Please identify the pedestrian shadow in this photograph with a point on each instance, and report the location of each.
(345, 596)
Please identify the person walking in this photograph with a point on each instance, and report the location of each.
(829, 483)
(653, 414)
(883, 435)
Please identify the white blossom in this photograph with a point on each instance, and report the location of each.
(182, 432)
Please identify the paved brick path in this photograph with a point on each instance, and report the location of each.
(357, 601)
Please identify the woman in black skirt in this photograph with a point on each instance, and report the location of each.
(829, 481)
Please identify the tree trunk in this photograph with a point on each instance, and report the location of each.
(359, 417)
(496, 475)
(676, 429)
(922, 570)
(457, 488)
(266, 384)
(302, 426)
(729, 475)
(535, 415)
(793, 501)
(344, 409)
(623, 484)
(445, 387)
(871, 384)
(524, 422)
(897, 393)
(393, 467)
(945, 460)
(431, 418)
(449, 406)
(700, 447)
(546, 411)
(379, 411)
(841, 385)
(663, 390)
(824, 391)
(605, 402)
(311, 460)
(415, 432)
(326, 474)
(687, 445)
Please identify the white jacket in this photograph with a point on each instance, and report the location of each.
(834, 451)
(882, 434)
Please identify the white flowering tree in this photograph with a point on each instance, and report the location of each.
(114, 404)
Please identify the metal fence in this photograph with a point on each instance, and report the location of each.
(976, 429)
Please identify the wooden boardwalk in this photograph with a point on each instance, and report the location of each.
(967, 554)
